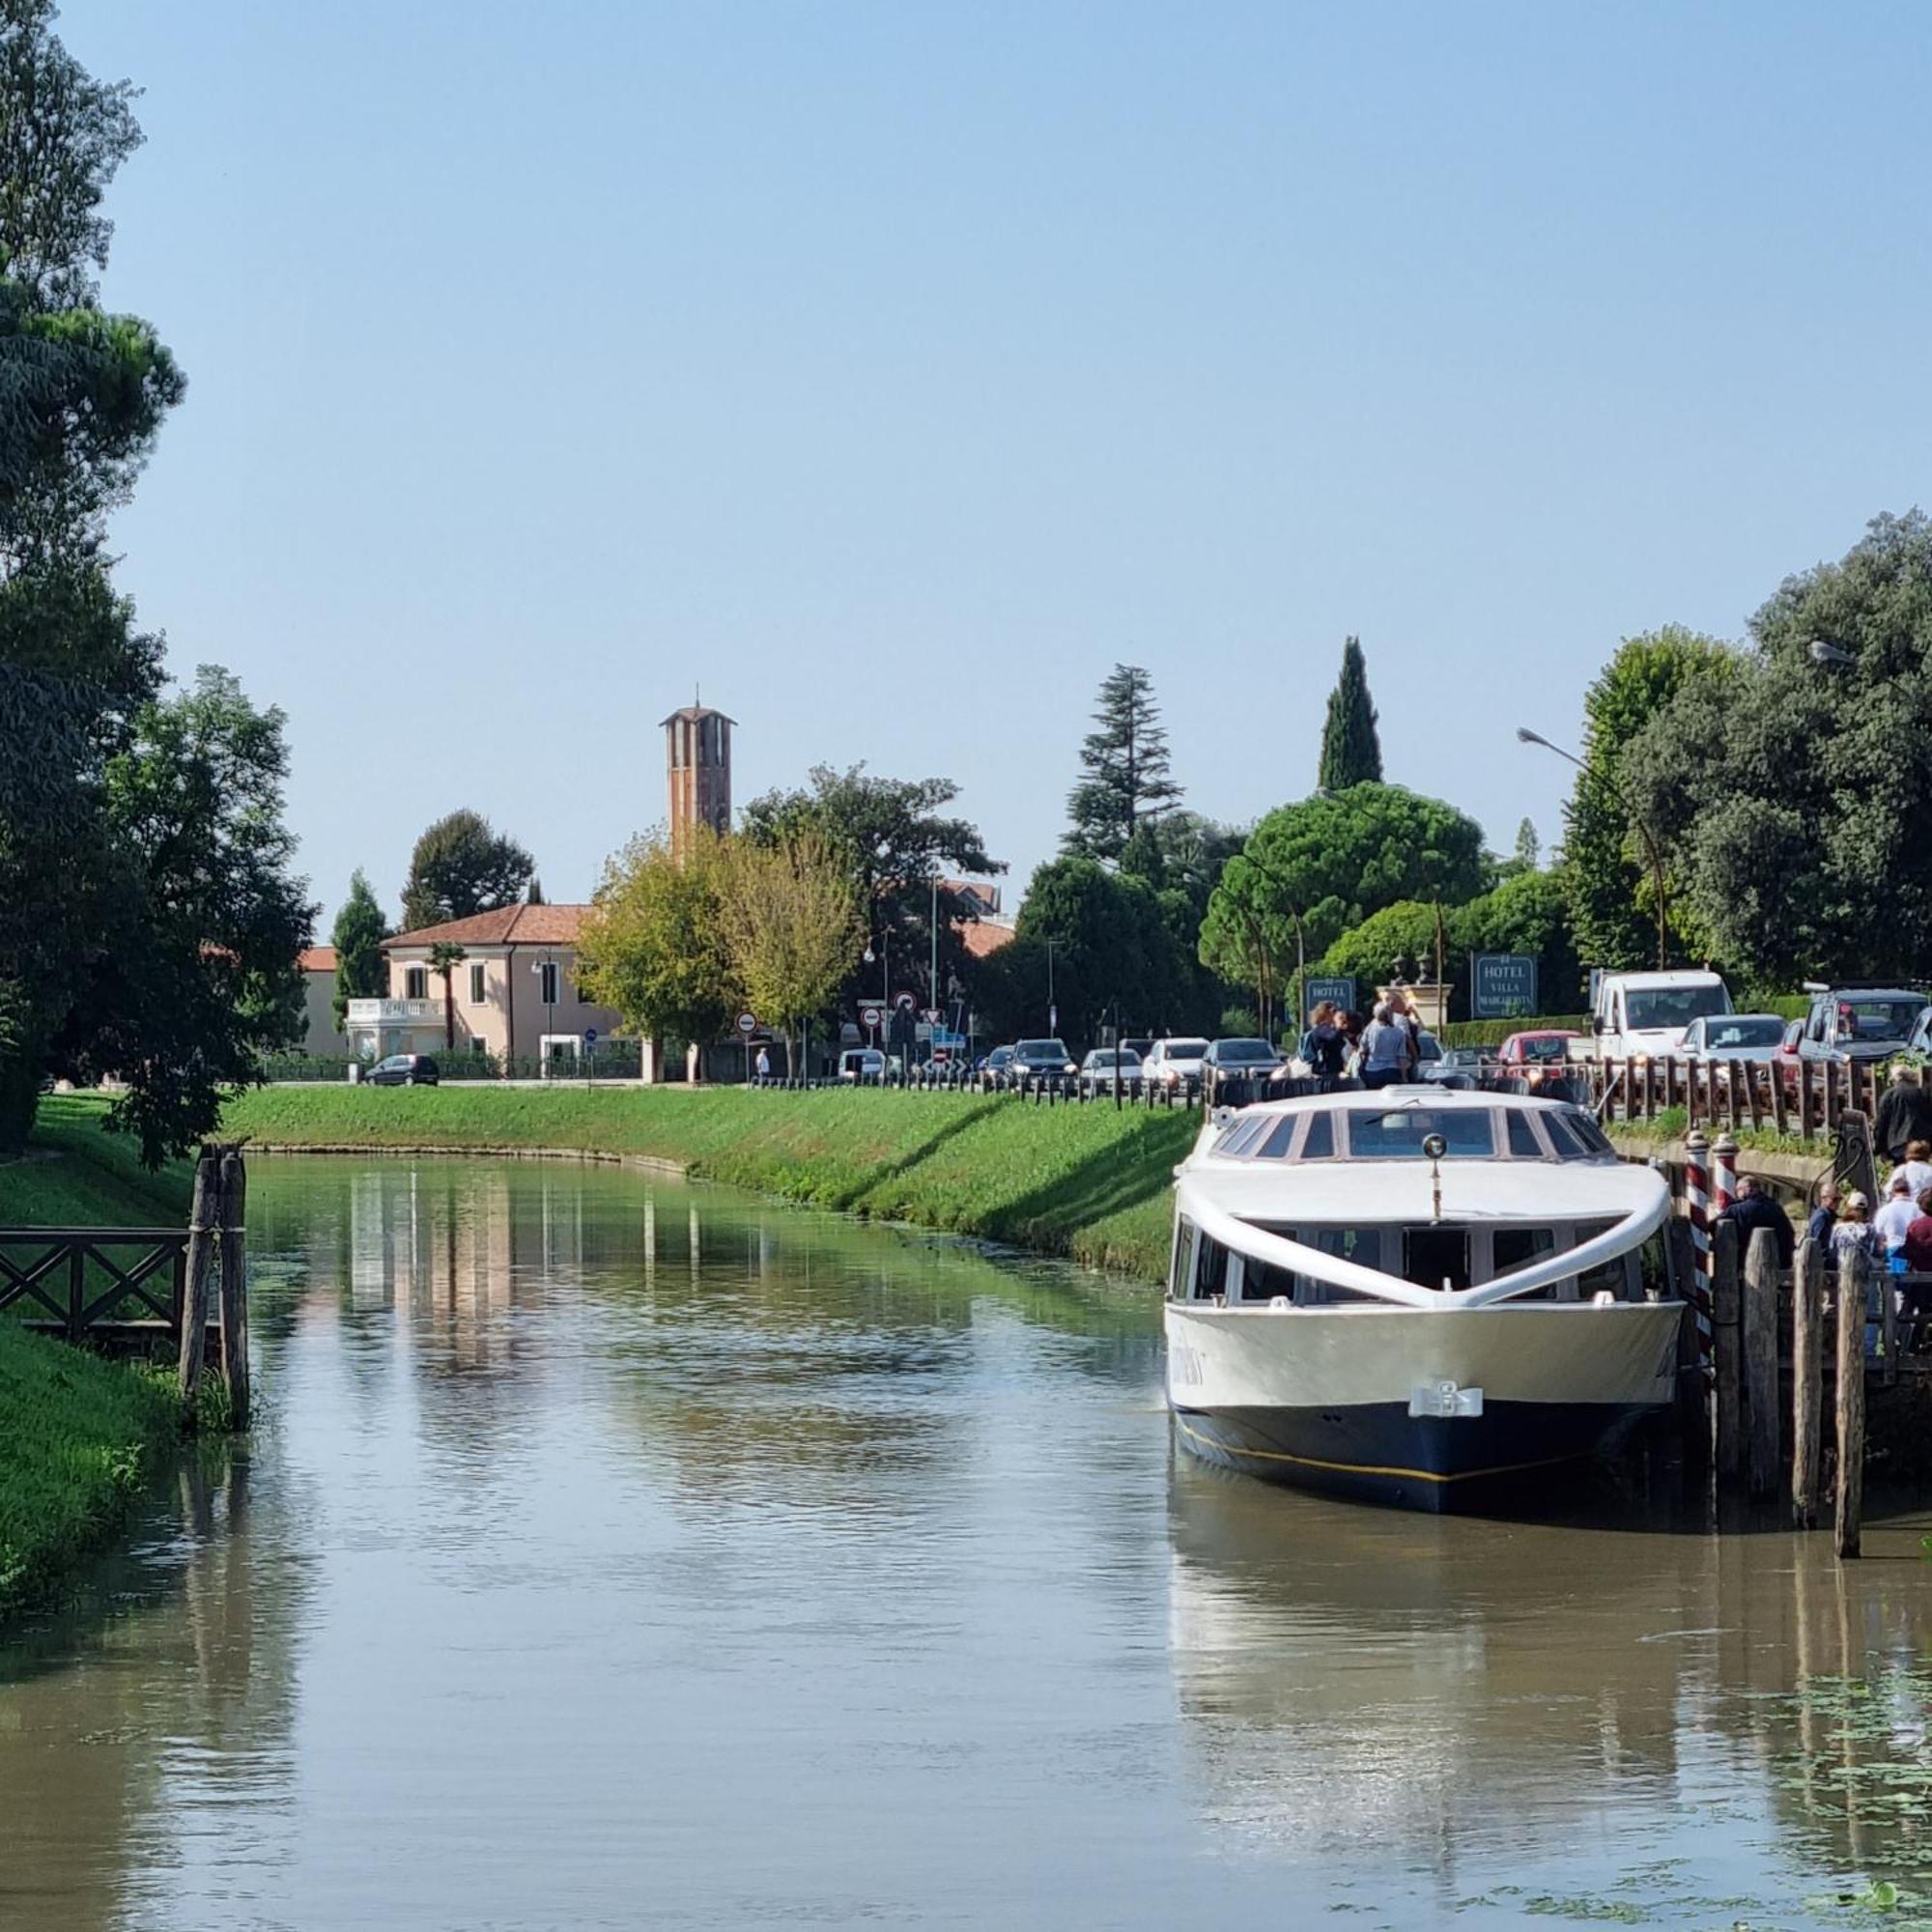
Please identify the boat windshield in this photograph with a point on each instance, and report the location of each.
(1399, 1134)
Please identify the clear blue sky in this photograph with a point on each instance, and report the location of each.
(894, 369)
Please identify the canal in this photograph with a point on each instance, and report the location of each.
(619, 1552)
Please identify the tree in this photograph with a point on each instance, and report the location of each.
(1606, 844)
(791, 925)
(1311, 871)
(460, 867)
(894, 841)
(652, 944)
(194, 976)
(358, 936)
(1528, 847)
(534, 895)
(1127, 783)
(1352, 753)
(445, 958)
(1793, 795)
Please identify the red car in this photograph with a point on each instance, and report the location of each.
(1536, 1058)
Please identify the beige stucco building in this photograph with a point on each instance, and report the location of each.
(514, 992)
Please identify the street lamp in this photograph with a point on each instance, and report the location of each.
(1822, 653)
(1526, 736)
(545, 969)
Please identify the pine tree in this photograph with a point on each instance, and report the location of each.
(534, 896)
(1127, 783)
(357, 938)
(1528, 846)
(1351, 754)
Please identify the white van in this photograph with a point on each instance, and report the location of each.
(1643, 1015)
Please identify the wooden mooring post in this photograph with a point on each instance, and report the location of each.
(1760, 1339)
(1726, 1347)
(1851, 1479)
(1808, 1379)
(217, 1234)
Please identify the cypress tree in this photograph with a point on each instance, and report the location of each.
(357, 938)
(1351, 754)
(1126, 783)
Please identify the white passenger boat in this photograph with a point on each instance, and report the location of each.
(1413, 1295)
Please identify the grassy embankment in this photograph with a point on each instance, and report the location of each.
(79, 1437)
(1085, 1181)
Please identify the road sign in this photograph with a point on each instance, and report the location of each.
(590, 1036)
(906, 1003)
(870, 1015)
(748, 1023)
(1503, 986)
(1339, 988)
(930, 1014)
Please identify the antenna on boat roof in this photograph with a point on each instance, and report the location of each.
(1435, 1146)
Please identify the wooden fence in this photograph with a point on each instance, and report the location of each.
(1808, 1098)
(119, 1284)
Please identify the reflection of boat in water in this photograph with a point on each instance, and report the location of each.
(1409, 1296)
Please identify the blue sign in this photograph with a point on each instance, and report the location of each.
(1502, 985)
(1338, 988)
(590, 1036)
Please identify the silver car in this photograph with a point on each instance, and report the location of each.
(1107, 1068)
(1755, 1036)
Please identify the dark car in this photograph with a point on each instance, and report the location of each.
(1040, 1060)
(998, 1063)
(403, 1069)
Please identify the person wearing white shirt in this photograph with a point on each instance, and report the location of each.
(1897, 1215)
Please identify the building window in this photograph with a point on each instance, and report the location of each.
(416, 983)
(583, 999)
(476, 1046)
(476, 994)
(547, 992)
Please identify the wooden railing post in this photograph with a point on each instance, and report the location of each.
(235, 1285)
(203, 1228)
(1804, 1098)
(1762, 1270)
(1808, 1378)
(1727, 1345)
(1851, 1485)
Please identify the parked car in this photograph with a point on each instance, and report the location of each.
(861, 1065)
(404, 1069)
(1920, 1041)
(1457, 1067)
(1174, 1063)
(1108, 1067)
(1142, 1048)
(1534, 1060)
(1754, 1036)
(1863, 1023)
(1238, 1060)
(998, 1063)
(1041, 1059)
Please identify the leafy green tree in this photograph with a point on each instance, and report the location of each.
(1606, 838)
(1312, 871)
(1180, 857)
(358, 936)
(1127, 783)
(194, 978)
(1351, 752)
(896, 839)
(1399, 940)
(460, 867)
(1794, 795)
(653, 943)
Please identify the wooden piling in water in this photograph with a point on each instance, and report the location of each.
(1851, 1476)
(203, 1230)
(1726, 1345)
(235, 1285)
(1808, 1379)
(1760, 1339)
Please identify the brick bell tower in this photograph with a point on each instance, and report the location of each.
(697, 762)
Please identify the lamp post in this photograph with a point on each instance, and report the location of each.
(546, 970)
(1526, 736)
(885, 987)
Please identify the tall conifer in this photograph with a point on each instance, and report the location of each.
(1126, 783)
(1351, 754)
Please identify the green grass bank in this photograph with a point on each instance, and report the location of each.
(81, 1438)
(1089, 1182)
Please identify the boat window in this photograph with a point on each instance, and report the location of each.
(1612, 1277)
(1513, 1249)
(1653, 1260)
(1524, 1143)
(1318, 1142)
(1184, 1259)
(1212, 1278)
(1275, 1144)
(1362, 1246)
(1399, 1134)
(1576, 1135)
(1237, 1142)
(1436, 1257)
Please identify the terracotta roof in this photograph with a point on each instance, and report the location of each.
(695, 711)
(982, 936)
(508, 926)
(316, 960)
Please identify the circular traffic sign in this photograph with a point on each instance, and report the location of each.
(906, 1003)
(870, 1015)
(748, 1022)
(590, 1036)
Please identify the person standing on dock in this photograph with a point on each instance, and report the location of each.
(1754, 1209)
(1904, 1114)
(1385, 1049)
(1892, 1220)
(1824, 1216)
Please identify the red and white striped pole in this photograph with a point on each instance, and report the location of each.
(1697, 1158)
(1726, 1173)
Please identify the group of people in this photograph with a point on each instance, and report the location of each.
(1337, 1046)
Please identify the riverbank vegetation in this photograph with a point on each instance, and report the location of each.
(1090, 1183)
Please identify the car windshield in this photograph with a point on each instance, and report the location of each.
(1646, 1008)
(1548, 1047)
(1753, 1030)
(1183, 1049)
(1243, 1049)
(1040, 1049)
(1877, 1018)
(1399, 1135)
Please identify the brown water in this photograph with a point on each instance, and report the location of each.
(619, 1553)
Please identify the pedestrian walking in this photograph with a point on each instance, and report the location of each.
(764, 1066)
(1904, 1114)
(1892, 1221)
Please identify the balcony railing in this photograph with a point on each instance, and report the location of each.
(393, 1012)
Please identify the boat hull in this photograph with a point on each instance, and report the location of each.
(1327, 1399)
